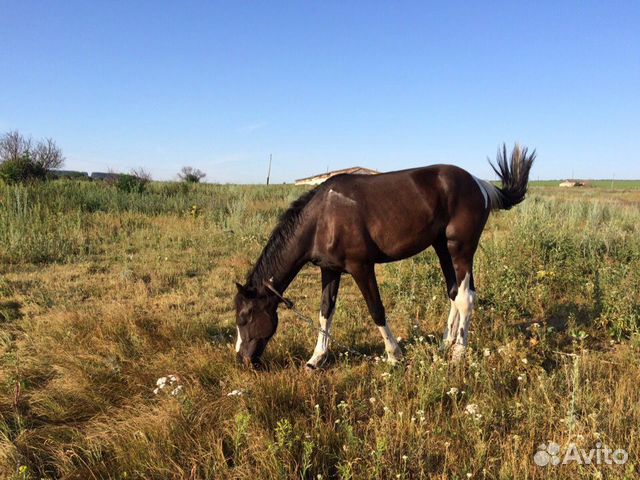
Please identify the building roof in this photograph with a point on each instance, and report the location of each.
(352, 170)
(68, 173)
(105, 175)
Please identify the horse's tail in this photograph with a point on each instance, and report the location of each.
(514, 174)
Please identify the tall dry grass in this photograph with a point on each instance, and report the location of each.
(103, 292)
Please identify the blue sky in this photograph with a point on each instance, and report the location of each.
(330, 84)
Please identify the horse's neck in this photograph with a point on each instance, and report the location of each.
(281, 267)
(283, 278)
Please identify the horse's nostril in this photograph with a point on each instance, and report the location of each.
(257, 364)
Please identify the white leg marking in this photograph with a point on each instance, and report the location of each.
(322, 345)
(464, 303)
(452, 327)
(394, 354)
(238, 340)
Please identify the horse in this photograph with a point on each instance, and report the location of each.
(350, 223)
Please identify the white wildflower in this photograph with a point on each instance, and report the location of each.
(166, 382)
(235, 393)
(471, 409)
(453, 391)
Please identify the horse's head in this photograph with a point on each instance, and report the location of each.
(257, 320)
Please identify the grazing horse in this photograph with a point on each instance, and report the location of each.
(351, 222)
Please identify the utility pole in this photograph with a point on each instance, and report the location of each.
(269, 172)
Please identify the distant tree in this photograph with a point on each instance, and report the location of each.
(20, 160)
(191, 175)
(48, 155)
(14, 146)
(142, 174)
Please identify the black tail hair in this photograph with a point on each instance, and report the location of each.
(514, 174)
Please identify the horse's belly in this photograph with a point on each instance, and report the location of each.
(409, 243)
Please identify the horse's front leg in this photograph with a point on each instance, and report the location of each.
(365, 277)
(330, 284)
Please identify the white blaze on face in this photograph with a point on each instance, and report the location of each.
(238, 340)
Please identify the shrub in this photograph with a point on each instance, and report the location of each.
(131, 183)
(21, 169)
(21, 161)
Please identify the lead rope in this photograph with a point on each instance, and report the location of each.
(289, 304)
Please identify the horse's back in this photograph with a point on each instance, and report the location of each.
(388, 216)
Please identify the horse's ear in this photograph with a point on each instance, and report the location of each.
(248, 292)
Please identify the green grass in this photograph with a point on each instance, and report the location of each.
(102, 292)
(604, 183)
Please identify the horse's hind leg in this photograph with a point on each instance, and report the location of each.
(464, 299)
(446, 263)
(365, 277)
(330, 284)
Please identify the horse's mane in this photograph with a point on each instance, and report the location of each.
(284, 230)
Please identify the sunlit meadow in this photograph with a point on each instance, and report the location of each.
(117, 334)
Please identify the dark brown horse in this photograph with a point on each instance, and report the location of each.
(351, 222)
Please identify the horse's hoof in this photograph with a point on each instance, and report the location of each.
(310, 368)
(394, 360)
(444, 347)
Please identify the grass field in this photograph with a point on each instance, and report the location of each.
(600, 184)
(104, 292)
